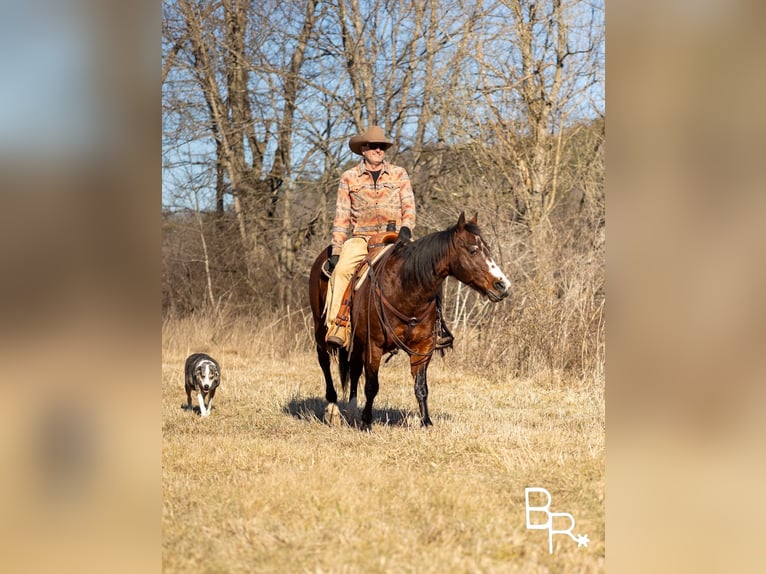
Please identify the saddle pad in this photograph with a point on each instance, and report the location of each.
(375, 257)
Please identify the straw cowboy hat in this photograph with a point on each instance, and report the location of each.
(374, 134)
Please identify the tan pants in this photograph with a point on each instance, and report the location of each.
(352, 253)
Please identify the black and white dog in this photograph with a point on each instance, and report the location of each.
(203, 375)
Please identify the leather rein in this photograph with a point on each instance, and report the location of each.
(382, 301)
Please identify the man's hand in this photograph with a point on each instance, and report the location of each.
(332, 262)
(404, 235)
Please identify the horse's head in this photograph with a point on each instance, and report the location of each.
(472, 263)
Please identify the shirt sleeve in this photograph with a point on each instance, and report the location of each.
(341, 227)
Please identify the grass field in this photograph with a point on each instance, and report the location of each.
(263, 485)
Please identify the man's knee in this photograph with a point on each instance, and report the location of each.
(352, 253)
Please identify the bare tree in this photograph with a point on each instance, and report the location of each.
(495, 107)
(533, 94)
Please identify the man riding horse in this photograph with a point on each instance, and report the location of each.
(374, 196)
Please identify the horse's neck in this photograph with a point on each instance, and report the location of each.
(419, 296)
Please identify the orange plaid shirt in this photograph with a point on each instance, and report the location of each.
(363, 208)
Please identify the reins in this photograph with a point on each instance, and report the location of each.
(382, 301)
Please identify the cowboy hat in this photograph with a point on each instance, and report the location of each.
(374, 134)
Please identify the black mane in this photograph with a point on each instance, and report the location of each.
(422, 256)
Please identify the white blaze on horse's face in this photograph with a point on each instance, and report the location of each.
(498, 274)
(501, 286)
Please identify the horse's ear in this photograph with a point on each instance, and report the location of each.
(461, 220)
(475, 218)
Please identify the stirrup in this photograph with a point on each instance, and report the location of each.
(337, 337)
(444, 341)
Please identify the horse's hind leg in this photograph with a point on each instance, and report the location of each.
(355, 372)
(331, 413)
(324, 363)
(370, 391)
(343, 371)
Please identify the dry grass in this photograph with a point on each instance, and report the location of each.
(263, 486)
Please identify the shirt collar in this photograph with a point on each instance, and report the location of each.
(362, 169)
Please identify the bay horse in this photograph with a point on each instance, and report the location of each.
(395, 308)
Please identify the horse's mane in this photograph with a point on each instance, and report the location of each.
(421, 256)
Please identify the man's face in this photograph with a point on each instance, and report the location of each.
(373, 152)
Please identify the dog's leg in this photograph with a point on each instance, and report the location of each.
(188, 399)
(210, 396)
(202, 410)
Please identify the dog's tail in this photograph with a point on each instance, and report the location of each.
(343, 367)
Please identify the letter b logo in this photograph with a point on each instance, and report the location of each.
(539, 517)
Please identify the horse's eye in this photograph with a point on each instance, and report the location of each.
(473, 249)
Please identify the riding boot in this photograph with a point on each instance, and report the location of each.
(444, 337)
(338, 335)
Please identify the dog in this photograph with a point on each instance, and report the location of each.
(203, 375)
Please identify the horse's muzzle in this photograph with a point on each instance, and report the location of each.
(500, 291)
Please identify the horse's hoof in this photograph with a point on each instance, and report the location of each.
(332, 415)
(426, 423)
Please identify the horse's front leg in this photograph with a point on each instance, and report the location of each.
(421, 393)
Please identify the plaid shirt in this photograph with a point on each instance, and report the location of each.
(363, 208)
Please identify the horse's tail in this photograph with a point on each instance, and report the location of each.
(343, 367)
